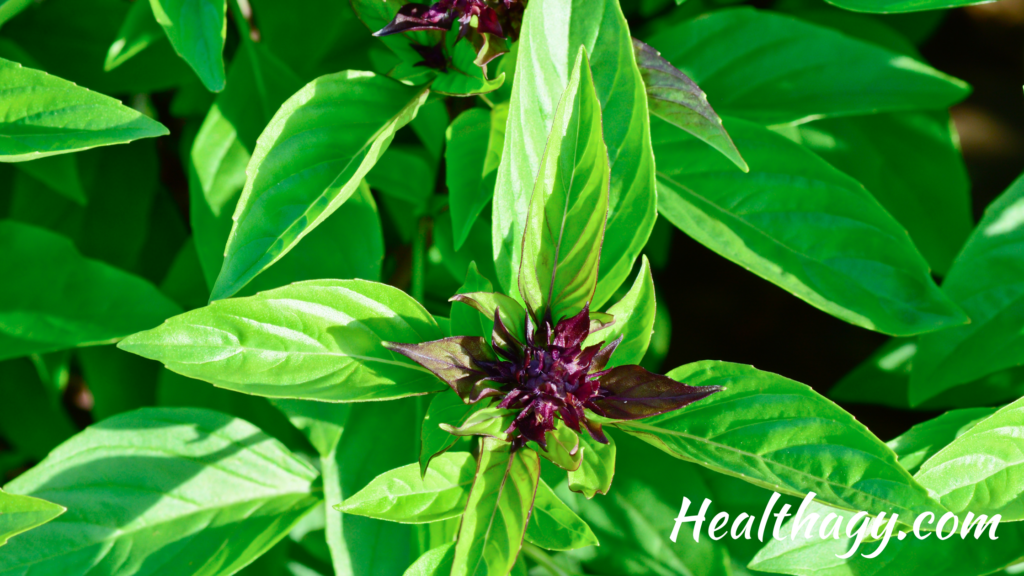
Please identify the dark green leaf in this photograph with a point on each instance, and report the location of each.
(60, 173)
(634, 321)
(595, 473)
(466, 321)
(473, 168)
(444, 408)
(21, 513)
(900, 6)
(405, 172)
(138, 31)
(554, 526)
(118, 381)
(197, 29)
(922, 441)
(28, 405)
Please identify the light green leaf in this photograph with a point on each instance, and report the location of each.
(54, 298)
(464, 77)
(565, 226)
(435, 562)
(774, 69)
(473, 168)
(564, 449)
(595, 473)
(987, 281)
(444, 409)
(490, 422)
(191, 491)
(138, 31)
(548, 51)
(982, 470)
(45, 115)
(634, 321)
(512, 313)
(403, 495)
(781, 435)
(803, 225)
(314, 340)
(21, 513)
(196, 29)
(923, 440)
(308, 162)
(467, 321)
(498, 510)
(554, 526)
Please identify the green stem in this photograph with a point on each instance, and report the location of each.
(419, 260)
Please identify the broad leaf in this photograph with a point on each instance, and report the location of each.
(634, 321)
(552, 33)
(987, 281)
(435, 562)
(473, 168)
(799, 223)
(982, 470)
(22, 513)
(922, 441)
(54, 298)
(403, 495)
(191, 491)
(565, 226)
(138, 31)
(314, 340)
(490, 422)
(444, 409)
(197, 29)
(781, 435)
(308, 162)
(554, 526)
(775, 69)
(564, 447)
(900, 6)
(498, 511)
(45, 115)
(595, 473)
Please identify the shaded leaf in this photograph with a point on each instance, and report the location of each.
(473, 168)
(634, 321)
(595, 473)
(444, 409)
(554, 526)
(196, 29)
(138, 30)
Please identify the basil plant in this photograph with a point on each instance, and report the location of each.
(369, 288)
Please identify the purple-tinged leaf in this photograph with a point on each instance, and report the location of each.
(637, 393)
(454, 360)
(513, 315)
(414, 17)
(601, 358)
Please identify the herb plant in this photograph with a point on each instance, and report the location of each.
(369, 288)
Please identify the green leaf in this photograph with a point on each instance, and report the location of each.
(191, 491)
(118, 381)
(464, 77)
(982, 470)
(498, 510)
(923, 440)
(676, 99)
(138, 31)
(554, 526)
(444, 409)
(29, 403)
(911, 163)
(512, 314)
(490, 422)
(71, 300)
(803, 225)
(564, 448)
(549, 53)
(466, 321)
(595, 473)
(405, 172)
(308, 162)
(196, 29)
(403, 495)
(900, 6)
(21, 513)
(435, 562)
(776, 433)
(314, 340)
(474, 168)
(47, 115)
(566, 223)
(987, 281)
(60, 173)
(634, 321)
(774, 69)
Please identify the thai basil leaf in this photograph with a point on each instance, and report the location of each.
(634, 321)
(404, 495)
(554, 526)
(47, 116)
(444, 409)
(466, 321)
(565, 226)
(490, 422)
(405, 172)
(774, 69)
(29, 403)
(197, 29)
(60, 173)
(119, 381)
(564, 447)
(464, 77)
(676, 99)
(138, 31)
(474, 168)
(922, 441)
(376, 15)
(210, 491)
(21, 513)
(512, 313)
(594, 476)
(71, 301)
(899, 6)
(982, 470)
(314, 340)
(308, 162)
(839, 251)
(435, 562)
(549, 52)
(987, 281)
(773, 432)
(498, 510)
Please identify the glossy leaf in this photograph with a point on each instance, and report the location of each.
(435, 562)
(308, 162)
(498, 510)
(45, 115)
(490, 422)
(464, 78)
(21, 513)
(595, 473)
(774, 69)
(899, 6)
(403, 495)
(55, 298)
(564, 447)
(923, 440)
(565, 226)
(447, 409)
(634, 321)
(676, 99)
(781, 435)
(987, 281)
(138, 31)
(474, 168)
(554, 526)
(190, 490)
(549, 53)
(196, 29)
(803, 225)
(314, 340)
(982, 470)
(454, 360)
